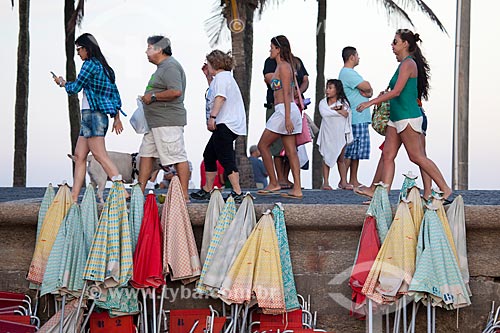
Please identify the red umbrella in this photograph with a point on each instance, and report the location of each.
(369, 245)
(148, 267)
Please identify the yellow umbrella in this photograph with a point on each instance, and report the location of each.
(256, 272)
(48, 232)
(416, 207)
(394, 266)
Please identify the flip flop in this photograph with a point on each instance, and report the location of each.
(268, 192)
(359, 191)
(291, 196)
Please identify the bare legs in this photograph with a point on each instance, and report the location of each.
(352, 166)
(326, 176)
(342, 173)
(97, 146)
(182, 169)
(265, 142)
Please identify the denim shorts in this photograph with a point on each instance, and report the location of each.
(94, 123)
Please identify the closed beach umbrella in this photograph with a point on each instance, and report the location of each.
(230, 245)
(215, 206)
(90, 217)
(394, 266)
(380, 208)
(48, 232)
(136, 213)
(148, 268)
(180, 255)
(290, 291)
(71, 322)
(368, 248)
(437, 202)
(456, 219)
(437, 274)
(110, 257)
(257, 271)
(223, 223)
(66, 260)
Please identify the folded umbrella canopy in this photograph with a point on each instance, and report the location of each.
(48, 197)
(256, 272)
(136, 214)
(148, 265)
(289, 289)
(437, 202)
(368, 248)
(110, 258)
(416, 205)
(180, 255)
(230, 245)
(215, 206)
(223, 223)
(48, 232)
(408, 183)
(437, 274)
(393, 268)
(380, 208)
(71, 322)
(456, 218)
(90, 217)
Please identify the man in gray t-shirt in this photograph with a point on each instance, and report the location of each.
(165, 114)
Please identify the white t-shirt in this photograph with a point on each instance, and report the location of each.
(232, 113)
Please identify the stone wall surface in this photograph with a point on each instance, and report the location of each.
(323, 241)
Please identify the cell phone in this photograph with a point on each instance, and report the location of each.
(53, 75)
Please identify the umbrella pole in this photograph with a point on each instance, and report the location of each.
(81, 299)
(405, 319)
(370, 316)
(37, 299)
(429, 319)
(236, 312)
(413, 316)
(145, 309)
(154, 309)
(160, 311)
(82, 329)
(387, 320)
(61, 330)
(244, 319)
(433, 319)
(397, 316)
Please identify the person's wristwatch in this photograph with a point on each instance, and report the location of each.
(153, 97)
(213, 117)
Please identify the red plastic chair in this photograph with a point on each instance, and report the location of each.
(182, 321)
(103, 323)
(289, 321)
(13, 327)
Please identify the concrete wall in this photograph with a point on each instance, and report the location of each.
(323, 241)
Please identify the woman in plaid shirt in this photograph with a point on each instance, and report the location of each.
(100, 98)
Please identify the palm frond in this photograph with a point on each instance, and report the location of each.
(422, 6)
(77, 17)
(393, 8)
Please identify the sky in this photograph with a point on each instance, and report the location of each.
(122, 27)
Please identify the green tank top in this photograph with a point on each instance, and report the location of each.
(405, 105)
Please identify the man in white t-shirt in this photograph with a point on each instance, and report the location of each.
(225, 113)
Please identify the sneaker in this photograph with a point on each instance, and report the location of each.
(238, 198)
(200, 195)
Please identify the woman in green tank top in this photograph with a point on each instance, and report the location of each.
(411, 81)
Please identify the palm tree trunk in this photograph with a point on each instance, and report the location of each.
(242, 50)
(73, 103)
(320, 93)
(22, 92)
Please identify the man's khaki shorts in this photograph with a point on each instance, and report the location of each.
(166, 143)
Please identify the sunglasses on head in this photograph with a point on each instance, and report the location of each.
(277, 41)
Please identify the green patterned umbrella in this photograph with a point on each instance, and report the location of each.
(54, 272)
(380, 208)
(291, 299)
(48, 197)
(408, 183)
(215, 206)
(224, 221)
(437, 276)
(136, 213)
(90, 218)
(110, 257)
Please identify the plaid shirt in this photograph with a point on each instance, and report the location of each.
(102, 94)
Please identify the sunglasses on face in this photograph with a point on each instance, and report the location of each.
(394, 42)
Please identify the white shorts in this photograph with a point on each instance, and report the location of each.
(400, 125)
(276, 122)
(167, 143)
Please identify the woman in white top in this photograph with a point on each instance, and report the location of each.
(334, 132)
(225, 113)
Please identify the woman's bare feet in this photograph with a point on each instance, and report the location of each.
(346, 186)
(364, 191)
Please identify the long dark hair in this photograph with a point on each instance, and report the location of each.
(339, 87)
(422, 64)
(282, 43)
(93, 50)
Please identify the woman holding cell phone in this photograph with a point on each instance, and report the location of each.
(100, 99)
